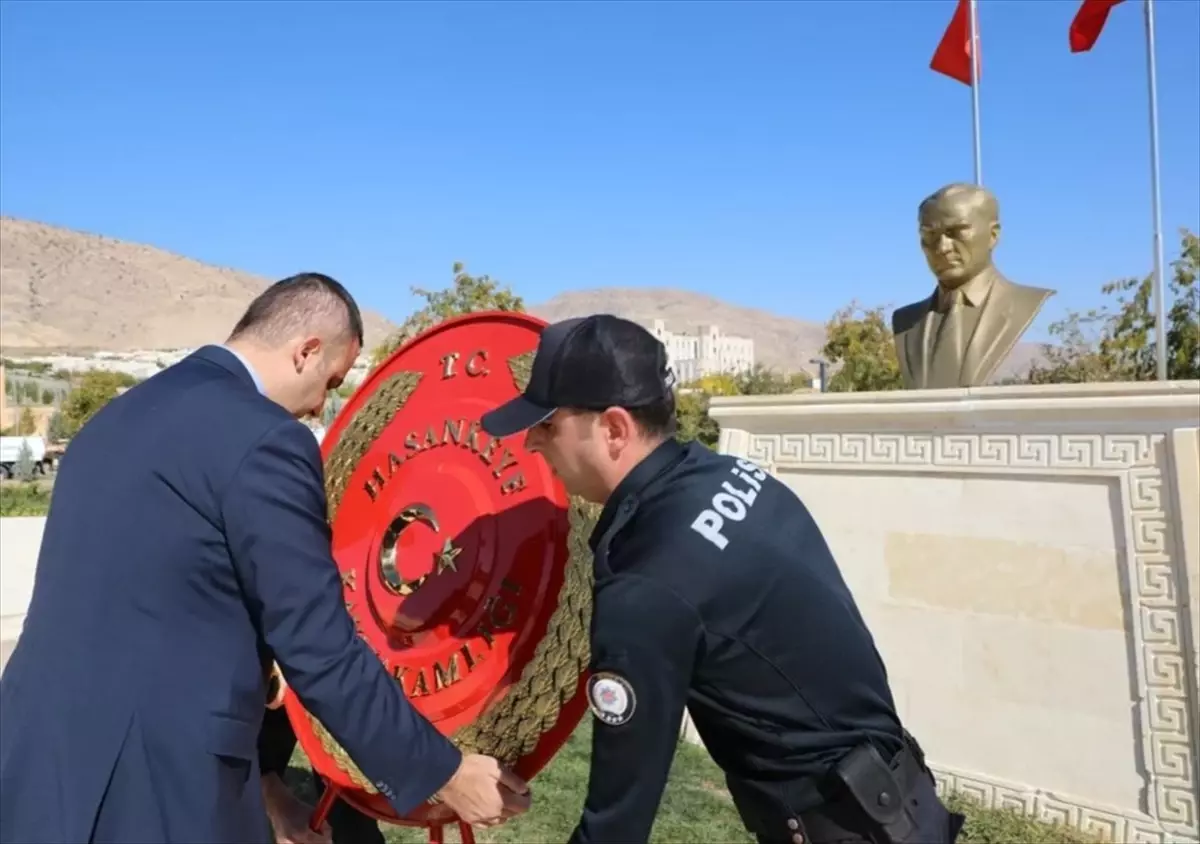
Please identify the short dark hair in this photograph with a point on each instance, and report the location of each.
(657, 420)
(287, 306)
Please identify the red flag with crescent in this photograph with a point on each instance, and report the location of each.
(953, 54)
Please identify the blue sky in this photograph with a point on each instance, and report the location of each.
(771, 154)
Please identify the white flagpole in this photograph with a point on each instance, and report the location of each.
(975, 93)
(1160, 308)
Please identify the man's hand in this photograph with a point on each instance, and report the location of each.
(289, 815)
(484, 793)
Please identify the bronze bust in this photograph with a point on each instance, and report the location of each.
(964, 330)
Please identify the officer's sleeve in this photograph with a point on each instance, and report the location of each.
(276, 742)
(274, 513)
(644, 645)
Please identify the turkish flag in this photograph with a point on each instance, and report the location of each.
(1089, 22)
(953, 54)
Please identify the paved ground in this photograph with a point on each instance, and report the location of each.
(6, 649)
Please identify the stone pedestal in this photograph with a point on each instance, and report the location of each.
(1027, 559)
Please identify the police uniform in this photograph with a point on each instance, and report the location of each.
(716, 593)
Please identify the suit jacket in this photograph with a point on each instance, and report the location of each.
(186, 546)
(1005, 314)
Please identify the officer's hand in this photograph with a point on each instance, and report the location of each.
(484, 793)
(289, 815)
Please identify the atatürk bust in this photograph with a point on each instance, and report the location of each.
(961, 334)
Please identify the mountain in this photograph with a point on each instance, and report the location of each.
(779, 342)
(67, 291)
(63, 290)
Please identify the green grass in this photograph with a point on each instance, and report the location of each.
(24, 498)
(695, 806)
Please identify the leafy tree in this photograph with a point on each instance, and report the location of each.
(692, 419)
(95, 388)
(861, 340)
(47, 396)
(692, 402)
(723, 384)
(466, 294)
(762, 381)
(56, 428)
(1118, 343)
(23, 468)
(26, 424)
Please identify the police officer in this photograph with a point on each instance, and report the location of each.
(714, 591)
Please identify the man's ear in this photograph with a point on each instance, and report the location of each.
(618, 426)
(304, 351)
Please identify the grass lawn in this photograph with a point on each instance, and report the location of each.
(24, 498)
(695, 806)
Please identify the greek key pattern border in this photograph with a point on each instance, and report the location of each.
(1171, 803)
(1106, 824)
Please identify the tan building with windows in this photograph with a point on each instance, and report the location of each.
(707, 352)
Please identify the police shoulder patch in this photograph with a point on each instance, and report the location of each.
(611, 698)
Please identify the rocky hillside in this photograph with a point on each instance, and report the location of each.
(66, 290)
(63, 290)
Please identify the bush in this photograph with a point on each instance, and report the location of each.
(24, 499)
(1007, 826)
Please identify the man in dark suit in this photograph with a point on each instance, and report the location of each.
(185, 549)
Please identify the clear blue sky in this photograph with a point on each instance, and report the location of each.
(772, 154)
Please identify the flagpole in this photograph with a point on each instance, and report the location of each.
(975, 93)
(1160, 308)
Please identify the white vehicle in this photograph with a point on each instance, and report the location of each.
(10, 455)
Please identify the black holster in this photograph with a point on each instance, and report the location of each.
(883, 792)
(887, 802)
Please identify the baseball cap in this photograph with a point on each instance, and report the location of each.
(587, 363)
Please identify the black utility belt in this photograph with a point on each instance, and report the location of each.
(867, 791)
(862, 797)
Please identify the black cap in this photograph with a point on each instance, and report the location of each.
(587, 363)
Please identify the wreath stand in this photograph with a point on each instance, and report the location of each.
(437, 832)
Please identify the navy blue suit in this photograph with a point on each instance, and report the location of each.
(187, 546)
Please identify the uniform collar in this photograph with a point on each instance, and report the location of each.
(667, 453)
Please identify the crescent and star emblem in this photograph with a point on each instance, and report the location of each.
(444, 560)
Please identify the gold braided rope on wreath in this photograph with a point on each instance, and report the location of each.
(513, 727)
(362, 431)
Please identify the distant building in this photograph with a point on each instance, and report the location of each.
(707, 352)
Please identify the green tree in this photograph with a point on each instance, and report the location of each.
(23, 468)
(1117, 343)
(466, 294)
(47, 396)
(861, 340)
(26, 424)
(692, 419)
(56, 428)
(692, 401)
(94, 389)
(763, 381)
